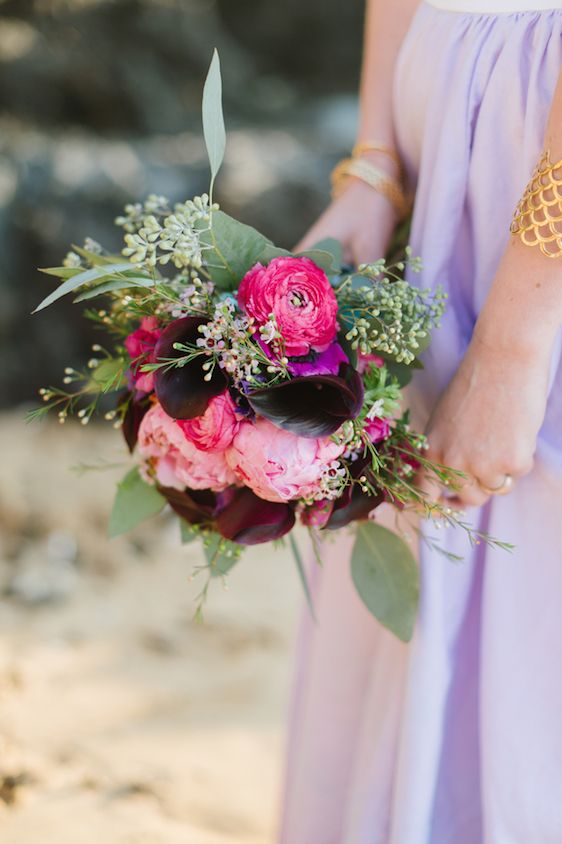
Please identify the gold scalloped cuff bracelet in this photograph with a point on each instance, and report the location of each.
(538, 216)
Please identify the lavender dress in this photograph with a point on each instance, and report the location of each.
(457, 737)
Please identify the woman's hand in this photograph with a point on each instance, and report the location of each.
(487, 420)
(360, 218)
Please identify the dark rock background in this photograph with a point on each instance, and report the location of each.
(100, 103)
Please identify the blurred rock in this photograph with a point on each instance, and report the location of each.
(101, 103)
(45, 572)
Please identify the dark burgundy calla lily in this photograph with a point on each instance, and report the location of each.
(182, 391)
(250, 520)
(354, 504)
(312, 406)
(195, 506)
(136, 410)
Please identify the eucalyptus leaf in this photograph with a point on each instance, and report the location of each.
(403, 372)
(386, 576)
(113, 284)
(61, 272)
(135, 501)
(235, 248)
(323, 259)
(270, 252)
(187, 532)
(95, 258)
(77, 281)
(333, 246)
(213, 121)
(221, 555)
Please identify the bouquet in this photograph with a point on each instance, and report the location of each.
(255, 387)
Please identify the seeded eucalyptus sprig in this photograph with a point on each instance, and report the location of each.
(382, 313)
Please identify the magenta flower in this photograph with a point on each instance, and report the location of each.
(140, 346)
(299, 295)
(377, 429)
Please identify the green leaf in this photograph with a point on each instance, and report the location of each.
(109, 374)
(270, 252)
(323, 259)
(403, 372)
(187, 532)
(114, 284)
(333, 246)
(82, 278)
(221, 555)
(213, 121)
(235, 248)
(135, 501)
(385, 574)
(95, 258)
(61, 272)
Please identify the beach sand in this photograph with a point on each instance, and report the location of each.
(121, 719)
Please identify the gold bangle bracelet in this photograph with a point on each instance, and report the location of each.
(376, 146)
(538, 216)
(371, 175)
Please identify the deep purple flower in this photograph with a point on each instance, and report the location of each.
(354, 504)
(314, 406)
(183, 391)
(250, 520)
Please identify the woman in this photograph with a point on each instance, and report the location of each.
(457, 737)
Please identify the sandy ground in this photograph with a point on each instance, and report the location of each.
(121, 720)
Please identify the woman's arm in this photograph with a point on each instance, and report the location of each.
(361, 218)
(487, 421)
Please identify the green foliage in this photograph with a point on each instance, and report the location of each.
(233, 249)
(322, 258)
(134, 502)
(386, 577)
(82, 278)
(213, 121)
(333, 246)
(113, 285)
(108, 375)
(270, 252)
(188, 533)
(61, 272)
(221, 555)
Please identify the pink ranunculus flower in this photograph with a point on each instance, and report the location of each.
(140, 346)
(318, 513)
(377, 429)
(177, 462)
(278, 465)
(364, 361)
(215, 430)
(301, 298)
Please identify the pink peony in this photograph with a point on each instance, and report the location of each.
(177, 462)
(278, 465)
(301, 298)
(377, 429)
(215, 430)
(140, 346)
